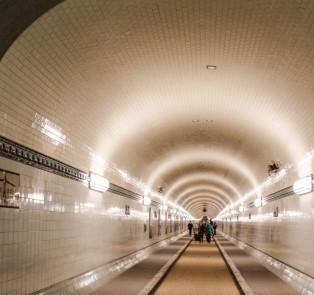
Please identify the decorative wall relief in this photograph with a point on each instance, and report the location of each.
(9, 189)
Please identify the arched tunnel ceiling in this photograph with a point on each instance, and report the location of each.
(111, 86)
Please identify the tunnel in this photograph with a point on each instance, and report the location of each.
(121, 122)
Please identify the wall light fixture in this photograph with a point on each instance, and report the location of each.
(304, 185)
(242, 208)
(146, 201)
(98, 183)
(259, 202)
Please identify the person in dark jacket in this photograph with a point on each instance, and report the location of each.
(195, 231)
(201, 231)
(190, 227)
(215, 227)
(208, 231)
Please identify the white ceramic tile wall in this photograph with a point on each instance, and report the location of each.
(63, 229)
(88, 283)
(98, 82)
(299, 281)
(288, 237)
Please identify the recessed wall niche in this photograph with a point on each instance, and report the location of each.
(9, 189)
(275, 212)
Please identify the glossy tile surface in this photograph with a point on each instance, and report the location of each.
(288, 237)
(252, 265)
(123, 89)
(64, 229)
(258, 278)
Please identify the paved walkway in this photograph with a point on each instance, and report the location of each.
(200, 270)
(259, 279)
(142, 276)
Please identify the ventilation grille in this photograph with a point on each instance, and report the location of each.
(288, 191)
(124, 192)
(20, 153)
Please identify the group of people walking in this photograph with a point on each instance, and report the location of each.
(207, 227)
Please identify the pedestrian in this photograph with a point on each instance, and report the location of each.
(190, 227)
(215, 227)
(208, 231)
(196, 232)
(201, 231)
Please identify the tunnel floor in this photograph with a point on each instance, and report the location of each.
(201, 269)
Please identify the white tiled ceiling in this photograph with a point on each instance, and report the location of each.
(106, 84)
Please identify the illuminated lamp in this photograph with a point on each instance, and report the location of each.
(211, 67)
(303, 186)
(242, 208)
(164, 207)
(259, 202)
(98, 183)
(147, 201)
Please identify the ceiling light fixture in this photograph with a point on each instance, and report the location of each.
(211, 67)
(195, 121)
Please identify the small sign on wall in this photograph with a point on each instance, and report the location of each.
(9, 189)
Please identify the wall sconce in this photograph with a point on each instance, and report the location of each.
(164, 207)
(242, 208)
(303, 186)
(98, 183)
(147, 201)
(259, 202)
